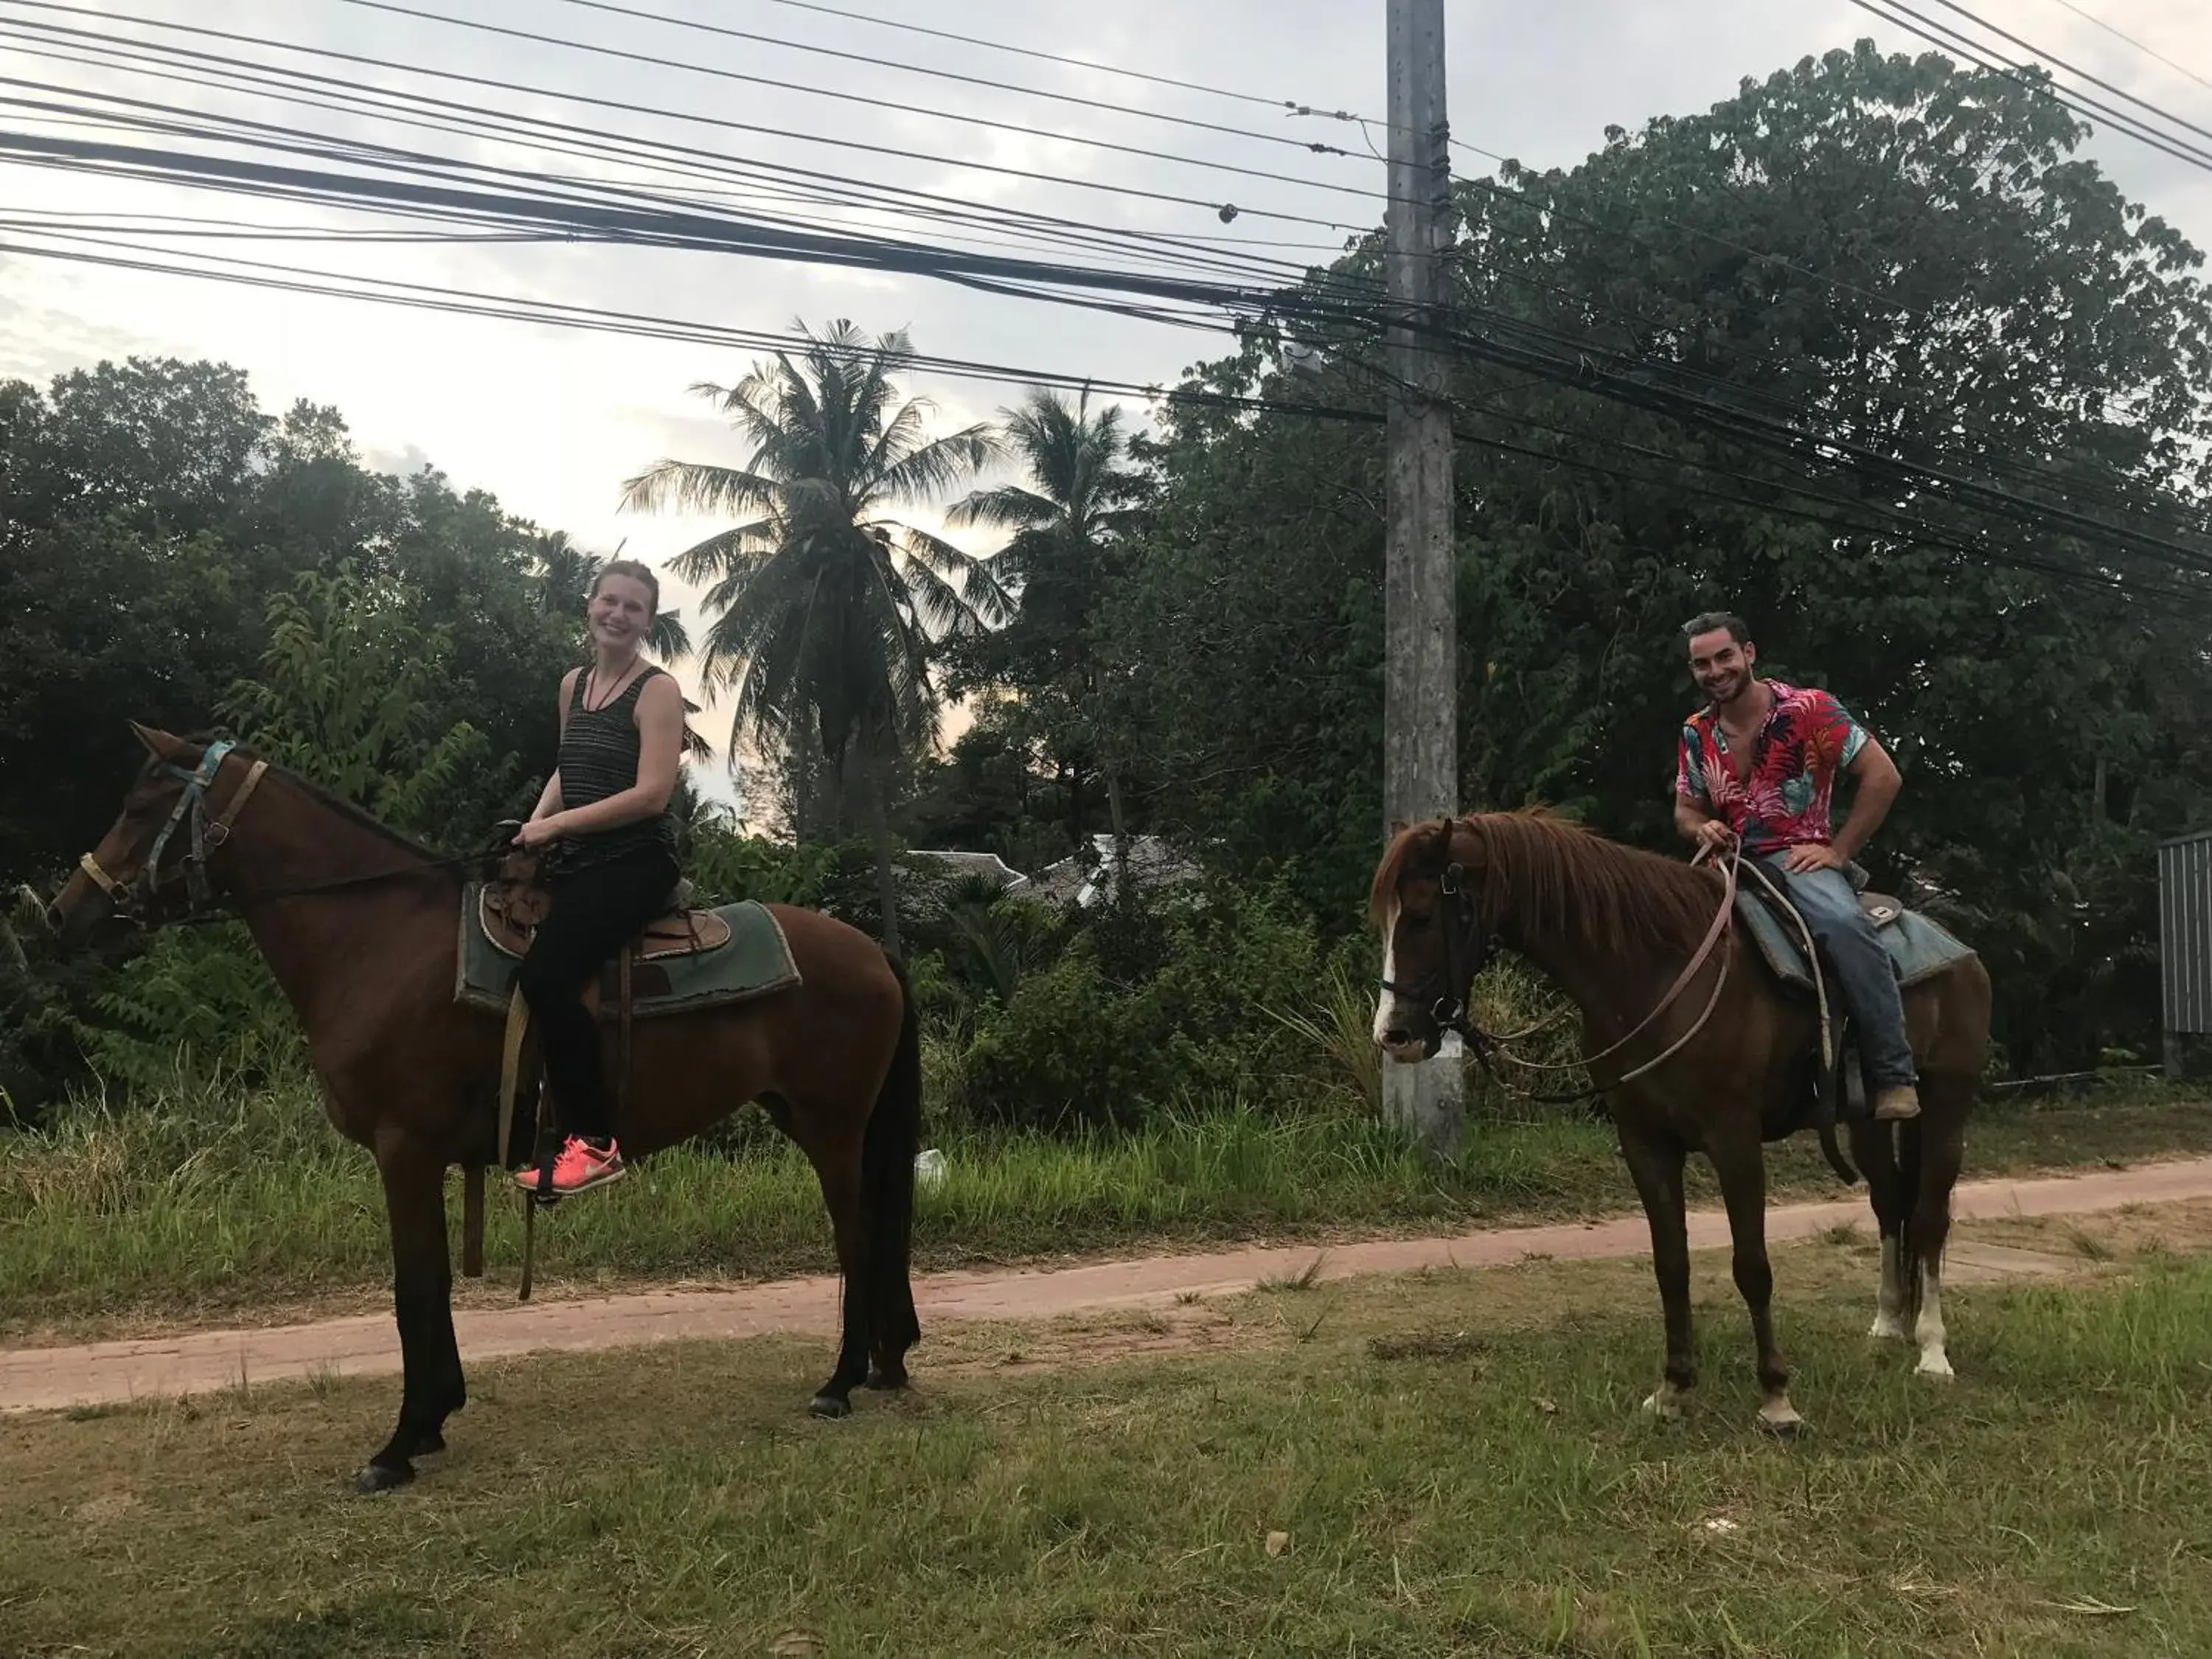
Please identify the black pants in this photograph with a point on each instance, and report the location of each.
(596, 910)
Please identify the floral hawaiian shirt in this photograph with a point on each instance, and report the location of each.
(1786, 794)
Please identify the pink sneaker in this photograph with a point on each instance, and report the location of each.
(579, 1167)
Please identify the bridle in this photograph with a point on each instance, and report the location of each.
(1468, 945)
(136, 899)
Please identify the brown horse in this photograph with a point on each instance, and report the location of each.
(1615, 928)
(360, 925)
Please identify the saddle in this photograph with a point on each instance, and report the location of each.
(513, 903)
(1834, 1086)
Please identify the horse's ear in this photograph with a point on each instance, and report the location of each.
(159, 745)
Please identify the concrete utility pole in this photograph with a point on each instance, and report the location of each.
(1421, 713)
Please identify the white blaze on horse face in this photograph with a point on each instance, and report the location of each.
(1385, 1005)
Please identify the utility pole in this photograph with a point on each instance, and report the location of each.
(1420, 714)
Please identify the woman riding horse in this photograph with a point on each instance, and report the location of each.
(605, 814)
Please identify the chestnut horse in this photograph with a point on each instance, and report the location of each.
(361, 926)
(1615, 928)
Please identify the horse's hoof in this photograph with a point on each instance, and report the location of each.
(1935, 1367)
(830, 1405)
(1779, 1418)
(880, 1378)
(383, 1477)
(1887, 1327)
(1665, 1403)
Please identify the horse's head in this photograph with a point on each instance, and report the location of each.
(1434, 937)
(155, 863)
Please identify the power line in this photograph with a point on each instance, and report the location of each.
(1032, 52)
(2052, 57)
(2149, 51)
(1576, 363)
(443, 115)
(930, 71)
(722, 122)
(782, 85)
(1733, 388)
(259, 274)
(1946, 37)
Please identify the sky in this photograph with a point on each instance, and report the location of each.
(553, 422)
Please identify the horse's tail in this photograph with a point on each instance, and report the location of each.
(887, 1149)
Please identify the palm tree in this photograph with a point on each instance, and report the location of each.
(1080, 507)
(826, 608)
(565, 575)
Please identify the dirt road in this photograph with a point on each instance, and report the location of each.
(36, 1379)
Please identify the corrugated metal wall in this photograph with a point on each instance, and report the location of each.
(2184, 932)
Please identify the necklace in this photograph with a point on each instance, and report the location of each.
(592, 680)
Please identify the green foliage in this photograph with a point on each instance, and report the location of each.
(1145, 1006)
(349, 696)
(724, 867)
(198, 1002)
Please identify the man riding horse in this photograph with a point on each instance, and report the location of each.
(1758, 764)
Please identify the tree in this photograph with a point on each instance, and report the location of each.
(826, 609)
(1875, 250)
(1070, 526)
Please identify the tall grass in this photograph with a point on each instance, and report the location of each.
(204, 1196)
(1336, 1032)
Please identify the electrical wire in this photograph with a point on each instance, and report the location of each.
(2147, 52)
(1897, 525)
(783, 85)
(724, 123)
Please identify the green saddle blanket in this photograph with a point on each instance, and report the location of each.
(1920, 948)
(755, 962)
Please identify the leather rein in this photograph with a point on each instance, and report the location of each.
(1468, 947)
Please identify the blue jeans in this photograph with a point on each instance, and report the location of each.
(1862, 967)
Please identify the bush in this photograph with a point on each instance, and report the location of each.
(198, 1001)
(1149, 1003)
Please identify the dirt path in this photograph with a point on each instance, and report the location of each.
(35, 1379)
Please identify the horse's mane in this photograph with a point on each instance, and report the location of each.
(1540, 873)
(336, 802)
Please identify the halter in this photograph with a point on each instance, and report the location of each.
(190, 812)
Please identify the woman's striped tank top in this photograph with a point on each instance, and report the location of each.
(599, 758)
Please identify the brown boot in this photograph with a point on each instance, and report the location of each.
(1896, 1102)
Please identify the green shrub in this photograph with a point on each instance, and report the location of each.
(1147, 1003)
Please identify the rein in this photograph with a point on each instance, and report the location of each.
(1468, 941)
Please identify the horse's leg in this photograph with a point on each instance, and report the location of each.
(837, 1163)
(431, 1386)
(1655, 1164)
(1741, 1165)
(1942, 1151)
(1875, 1146)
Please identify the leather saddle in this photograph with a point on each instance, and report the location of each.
(514, 901)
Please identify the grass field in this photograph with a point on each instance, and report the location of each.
(216, 1204)
(1447, 1465)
